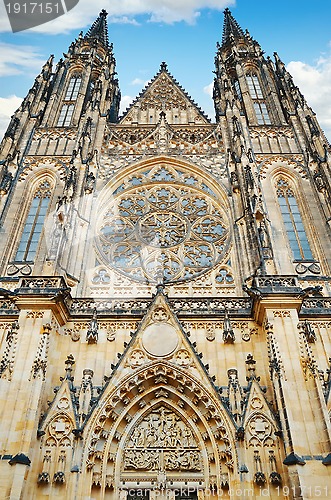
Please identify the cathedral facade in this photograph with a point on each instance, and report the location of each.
(165, 310)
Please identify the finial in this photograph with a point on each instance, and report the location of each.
(231, 28)
(163, 66)
(99, 30)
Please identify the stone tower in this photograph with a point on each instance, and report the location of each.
(165, 292)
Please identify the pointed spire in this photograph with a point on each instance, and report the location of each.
(231, 28)
(99, 29)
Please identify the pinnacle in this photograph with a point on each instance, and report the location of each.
(231, 28)
(99, 29)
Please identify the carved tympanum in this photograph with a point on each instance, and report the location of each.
(162, 441)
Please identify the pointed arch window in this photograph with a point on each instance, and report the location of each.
(293, 222)
(256, 94)
(34, 224)
(68, 106)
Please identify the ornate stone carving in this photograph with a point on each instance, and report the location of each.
(179, 230)
(59, 431)
(228, 333)
(160, 314)
(35, 314)
(92, 332)
(8, 357)
(192, 306)
(40, 362)
(136, 358)
(210, 333)
(162, 439)
(281, 314)
(260, 431)
(183, 358)
(306, 328)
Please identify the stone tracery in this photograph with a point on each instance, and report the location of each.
(172, 228)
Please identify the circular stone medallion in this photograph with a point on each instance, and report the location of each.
(160, 339)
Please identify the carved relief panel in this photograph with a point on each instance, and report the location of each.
(162, 441)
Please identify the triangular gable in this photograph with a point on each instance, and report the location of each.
(164, 94)
(160, 336)
(161, 393)
(259, 421)
(61, 414)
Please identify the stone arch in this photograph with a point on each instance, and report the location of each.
(281, 163)
(122, 408)
(151, 164)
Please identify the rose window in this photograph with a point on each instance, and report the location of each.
(168, 232)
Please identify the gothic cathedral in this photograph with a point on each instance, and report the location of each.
(165, 309)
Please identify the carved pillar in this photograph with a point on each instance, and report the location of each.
(303, 433)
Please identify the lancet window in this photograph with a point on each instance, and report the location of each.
(293, 222)
(259, 105)
(68, 106)
(34, 224)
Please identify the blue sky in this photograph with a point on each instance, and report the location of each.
(184, 34)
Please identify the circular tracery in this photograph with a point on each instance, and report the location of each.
(162, 229)
(167, 232)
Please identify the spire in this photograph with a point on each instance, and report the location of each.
(231, 27)
(99, 29)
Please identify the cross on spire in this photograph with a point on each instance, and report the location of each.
(99, 29)
(231, 27)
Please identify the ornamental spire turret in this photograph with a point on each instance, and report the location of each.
(231, 28)
(99, 29)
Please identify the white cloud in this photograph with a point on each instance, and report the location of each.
(126, 100)
(208, 89)
(167, 11)
(15, 60)
(315, 84)
(138, 81)
(8, 106)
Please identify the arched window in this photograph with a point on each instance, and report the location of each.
(73, 88)
(259, 105)
(68, 106)
(292, 221)
(34, 224)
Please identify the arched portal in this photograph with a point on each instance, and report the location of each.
(160, 429)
